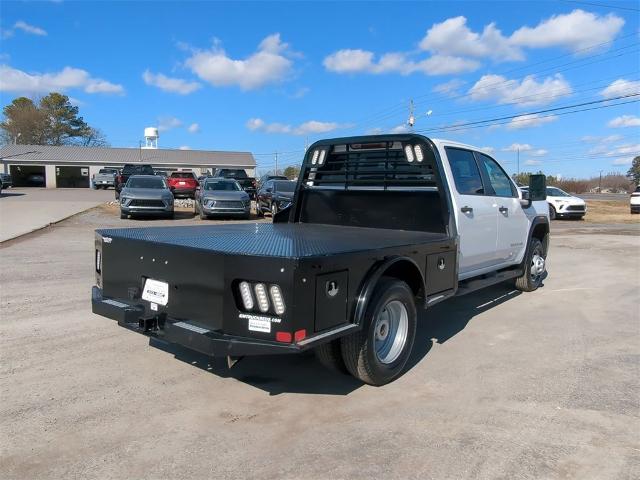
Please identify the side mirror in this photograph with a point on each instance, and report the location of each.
(537, 187)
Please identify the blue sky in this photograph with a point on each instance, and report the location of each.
(269, 76)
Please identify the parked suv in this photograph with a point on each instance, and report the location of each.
(183, 184)
(274, 195)
(127, 171)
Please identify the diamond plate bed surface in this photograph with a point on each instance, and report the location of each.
(288, 240)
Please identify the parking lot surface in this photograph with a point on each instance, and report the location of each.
(24, 210)
(501, 385)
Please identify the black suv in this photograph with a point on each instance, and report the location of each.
(129, 170)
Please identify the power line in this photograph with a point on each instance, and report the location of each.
(601, 5)
(547, 110)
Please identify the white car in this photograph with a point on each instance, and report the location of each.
(564, 205)
(634, 201)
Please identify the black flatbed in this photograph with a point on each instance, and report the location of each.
(283, 240)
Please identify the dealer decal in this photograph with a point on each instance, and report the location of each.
(259, 323)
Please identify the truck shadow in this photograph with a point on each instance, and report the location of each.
(303, 374)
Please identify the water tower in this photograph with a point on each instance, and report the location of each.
(151, 137)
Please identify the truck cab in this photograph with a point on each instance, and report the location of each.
(378, 227)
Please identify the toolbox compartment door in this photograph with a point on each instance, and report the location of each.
(332, 294)
(441, 271)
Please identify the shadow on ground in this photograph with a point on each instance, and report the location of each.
(11, 194)
(278, 374)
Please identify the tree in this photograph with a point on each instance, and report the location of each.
(52, 121)
(634, 171)
(291, 172)
(23, 122)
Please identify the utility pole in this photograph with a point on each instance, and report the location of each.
(600, 183)
(412, 118)
(276, 172)
(518, 150)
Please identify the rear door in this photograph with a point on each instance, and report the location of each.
(475, 212)
(512, 221)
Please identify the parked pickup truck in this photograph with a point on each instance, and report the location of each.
(378, 227)
(247, 183)
(105, 178)
(128, 170)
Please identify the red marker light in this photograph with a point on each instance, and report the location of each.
(284, 337)
(300, 335)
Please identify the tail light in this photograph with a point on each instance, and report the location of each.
(119, 179)
(254, 183)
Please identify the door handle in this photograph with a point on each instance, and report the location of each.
(504, 210)
(466, 209)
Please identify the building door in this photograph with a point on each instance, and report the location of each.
(72, 177)
(28, 175)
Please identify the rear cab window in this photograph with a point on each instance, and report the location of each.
(188, 175)
(465, 171)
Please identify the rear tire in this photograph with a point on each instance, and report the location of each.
(330, 356)
(123, 216)
(378, 353)
(534, 267)
(552, 212)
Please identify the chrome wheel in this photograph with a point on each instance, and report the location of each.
(390, 330)
(537, 265)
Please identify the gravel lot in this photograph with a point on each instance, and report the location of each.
(501, 385)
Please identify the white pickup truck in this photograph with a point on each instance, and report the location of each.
(378, 226)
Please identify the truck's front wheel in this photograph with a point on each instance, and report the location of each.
(534, 267)
(379, 352)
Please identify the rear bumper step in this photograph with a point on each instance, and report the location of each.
(185, 333)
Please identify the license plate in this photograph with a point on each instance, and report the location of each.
(181, 183)
(156, 291)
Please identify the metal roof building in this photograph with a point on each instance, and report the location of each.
(70, 166)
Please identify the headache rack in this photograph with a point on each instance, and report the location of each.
(380, 165)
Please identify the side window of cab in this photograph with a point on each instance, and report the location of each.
(496, 177)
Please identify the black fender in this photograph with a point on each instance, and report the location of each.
(371, 280)
(540, 221)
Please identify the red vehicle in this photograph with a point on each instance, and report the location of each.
(183, 184)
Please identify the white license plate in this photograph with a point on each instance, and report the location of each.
(181, 183)
(155, 291)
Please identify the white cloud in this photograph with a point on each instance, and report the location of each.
(363, 61)
(514, 147)
(400, 129)
(193, 128)
(624, 149)
(449, 88)
(574, 31)
(184, 147)
(169, 84)
(622, 161)
(532, 162)
(621, 87)
(540, 152)
(168, 122)
(452, 37)
(599, 139)
(525, 92)
(488, 150)
(30, 29)
(14, 80)
(306, 128)
(625, 121)
(528, 121)
(269, 64)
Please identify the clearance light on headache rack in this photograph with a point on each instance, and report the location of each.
(98, 261)
(408, 151)
(245, 293)
(323, 154)
(419, 154)
(261, 295)
(314, 159)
